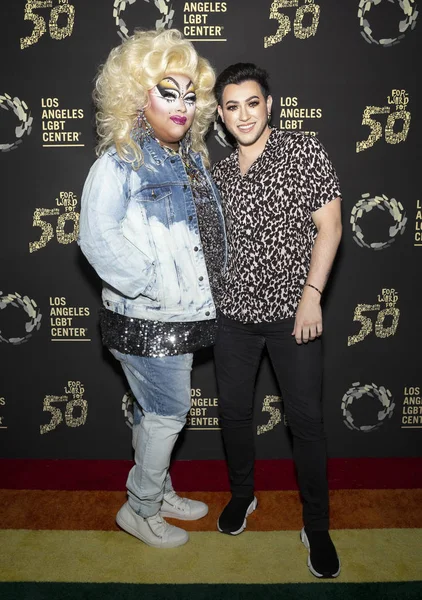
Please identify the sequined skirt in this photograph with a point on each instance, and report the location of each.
(155, 339)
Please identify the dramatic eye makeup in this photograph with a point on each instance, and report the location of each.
(190, 96)
(170, 90)
(252, 102)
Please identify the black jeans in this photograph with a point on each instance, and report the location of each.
(298, 369)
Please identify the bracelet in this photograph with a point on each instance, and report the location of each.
(315, 288)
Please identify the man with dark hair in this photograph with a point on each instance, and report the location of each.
(281, 201)
(239, 73)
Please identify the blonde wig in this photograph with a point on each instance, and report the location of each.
(135, 67)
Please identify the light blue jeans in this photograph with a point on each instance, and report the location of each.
(162, 389)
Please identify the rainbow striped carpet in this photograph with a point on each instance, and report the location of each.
(58, 538)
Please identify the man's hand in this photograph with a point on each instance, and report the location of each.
(308, 322)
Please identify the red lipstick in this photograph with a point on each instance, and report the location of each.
(178, 120)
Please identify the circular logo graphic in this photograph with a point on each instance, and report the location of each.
(127, 408)
(164, 7)
(364, 206)
(410, 14)
(356, 392)
(220, 134)
(30, 308)
(21, 110)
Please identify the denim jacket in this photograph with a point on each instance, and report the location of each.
(139, 230)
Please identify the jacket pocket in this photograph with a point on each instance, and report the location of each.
(156, 204)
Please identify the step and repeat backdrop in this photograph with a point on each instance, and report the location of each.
(347, 72)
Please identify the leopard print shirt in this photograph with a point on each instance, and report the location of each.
(270, 230)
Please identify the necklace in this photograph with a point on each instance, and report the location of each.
(196, 178)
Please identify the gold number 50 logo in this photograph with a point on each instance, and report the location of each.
(400, 115)
(367, 326)
(77, 403)
(274, 412)
(284, 22)
(40, 27)
(47, 228)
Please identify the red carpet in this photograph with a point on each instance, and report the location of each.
(59, 539)
(208, 475)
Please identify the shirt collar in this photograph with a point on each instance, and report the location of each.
(157, 152)
(270, 144)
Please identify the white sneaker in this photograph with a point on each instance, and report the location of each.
(176, 507)
(154, 531)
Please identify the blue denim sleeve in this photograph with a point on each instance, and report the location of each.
(104, 203)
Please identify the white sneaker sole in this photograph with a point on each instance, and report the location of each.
(129, 529)
(252, 506)
(305, 542)
(183, 517)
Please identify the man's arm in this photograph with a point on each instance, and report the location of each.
(308, 322)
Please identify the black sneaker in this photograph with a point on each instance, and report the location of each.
(322, 558)
(233, 518)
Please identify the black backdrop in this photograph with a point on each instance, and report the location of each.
(346, 71)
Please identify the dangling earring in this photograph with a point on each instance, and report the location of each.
(269, 118)
(186, 143)
(142, 129)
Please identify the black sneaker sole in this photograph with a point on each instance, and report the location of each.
(305, 542)
(252, 506)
